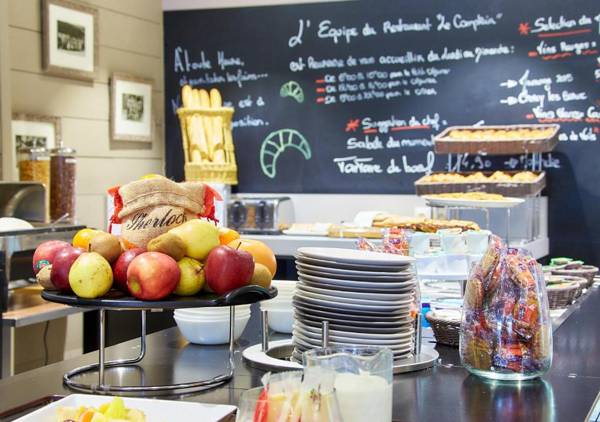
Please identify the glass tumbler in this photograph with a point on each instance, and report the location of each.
(363, 381)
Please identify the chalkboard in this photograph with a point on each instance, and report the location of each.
(345, 97)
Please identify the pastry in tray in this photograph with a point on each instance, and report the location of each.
(473, 196)
(475, 134)
(426, 225)
(480, 177)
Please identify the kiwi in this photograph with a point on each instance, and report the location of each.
(106, 245)
(169, 244)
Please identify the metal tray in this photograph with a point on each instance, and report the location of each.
(118, 300)
(445, 145)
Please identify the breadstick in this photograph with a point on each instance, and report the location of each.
(187, 96)
(207, 122)
(198, 130)
(216, 102)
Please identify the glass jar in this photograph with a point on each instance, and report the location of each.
(62, 184)
(506, 331)
(363, 381)
(34, 166)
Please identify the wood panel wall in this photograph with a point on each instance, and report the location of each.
(130, 41)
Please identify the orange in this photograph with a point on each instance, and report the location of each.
(83, 237)
(126, 244)
(261, 252)
(87, 416)
(227, 235)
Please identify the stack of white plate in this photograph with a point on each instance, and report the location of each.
(365, 297)
(211, 325)
(281, 314)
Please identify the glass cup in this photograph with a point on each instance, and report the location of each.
(477, 241)
(311, 400)
(363, 381)
(420, 243)
(453, 243)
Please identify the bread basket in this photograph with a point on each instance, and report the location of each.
(586, 271)
(561, 295)
(445, 324)
(219, 120)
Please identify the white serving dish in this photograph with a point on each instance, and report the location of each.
(210, 332)
(281, 320)
(352, 256)
(155, 410)
(224, 315)
(391, 284)
(392, 296)
(351, 274)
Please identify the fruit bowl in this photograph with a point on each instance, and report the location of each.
(118, 300)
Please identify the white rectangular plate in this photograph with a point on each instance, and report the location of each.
(155, 410)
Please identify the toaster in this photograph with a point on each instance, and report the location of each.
(267, 215)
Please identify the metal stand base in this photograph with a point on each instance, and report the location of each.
(279, 358)
(279, 355)
(103, 388)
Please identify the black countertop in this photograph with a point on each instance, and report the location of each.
(445, 392)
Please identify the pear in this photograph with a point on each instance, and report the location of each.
(90, 275)
(192, 277)
(106, 245)
(261, 276)
(169, 244)
(199, 237)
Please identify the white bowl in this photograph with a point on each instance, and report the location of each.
(196, 313)
(210, 332)
(281, 320)
(215, 310)
(210, 318)
(284, 283)
(277, 306)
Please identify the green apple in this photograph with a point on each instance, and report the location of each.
(199, 236)
(90, 276)
(192, 279)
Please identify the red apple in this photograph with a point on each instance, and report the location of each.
(227, 269)
(45, 253)
(152, 276)
(120, 267)
(61, 266)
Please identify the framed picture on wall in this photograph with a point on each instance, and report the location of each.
(69, 39)
(131, 108)
(31, 131)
